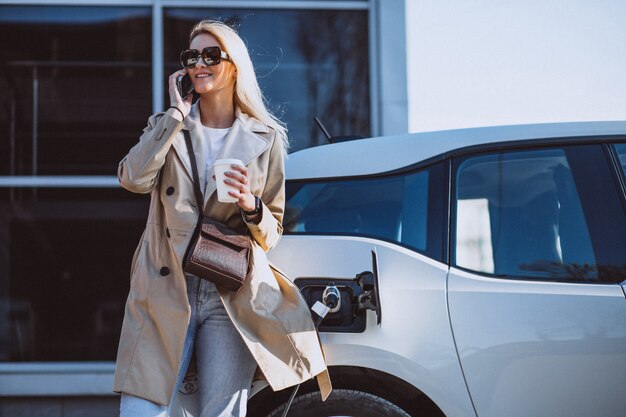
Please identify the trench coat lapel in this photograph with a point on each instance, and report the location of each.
(192, 124)
(241, 143)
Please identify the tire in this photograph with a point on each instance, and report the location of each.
(341, 402)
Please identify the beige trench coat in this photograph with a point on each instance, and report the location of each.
(268, 311)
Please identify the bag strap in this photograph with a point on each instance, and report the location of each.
(194, 169)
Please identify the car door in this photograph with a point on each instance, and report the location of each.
(536, 306)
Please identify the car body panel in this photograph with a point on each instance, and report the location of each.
(382, 154)
(414, 340)
(540, 348)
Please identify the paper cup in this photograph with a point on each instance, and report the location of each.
(220, 167)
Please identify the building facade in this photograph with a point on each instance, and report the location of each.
(79, 80)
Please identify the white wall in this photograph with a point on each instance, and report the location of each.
(492, 62)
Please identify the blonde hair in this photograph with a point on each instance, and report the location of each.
(247, 95)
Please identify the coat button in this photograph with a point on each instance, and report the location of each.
(169, 191)
(167, 232)
(165, 271)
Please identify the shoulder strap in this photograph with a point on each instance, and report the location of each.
(194, 169)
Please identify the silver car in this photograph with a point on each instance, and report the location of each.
(481, 272)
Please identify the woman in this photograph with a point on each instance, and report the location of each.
(171, 317)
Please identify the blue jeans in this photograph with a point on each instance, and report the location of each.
(218, 373)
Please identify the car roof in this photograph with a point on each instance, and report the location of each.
(388, 153)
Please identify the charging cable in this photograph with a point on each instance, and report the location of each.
(331, 303)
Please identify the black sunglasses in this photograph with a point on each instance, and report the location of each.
(211, 55)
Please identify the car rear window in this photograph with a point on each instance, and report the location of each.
(409, 208)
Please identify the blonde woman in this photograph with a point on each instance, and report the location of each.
(175, 322)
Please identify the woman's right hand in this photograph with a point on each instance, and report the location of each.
(175, 99)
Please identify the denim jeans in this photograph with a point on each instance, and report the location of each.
(223, 370)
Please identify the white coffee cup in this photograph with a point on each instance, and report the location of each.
(220, 167)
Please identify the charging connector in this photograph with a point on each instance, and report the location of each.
(332, 298)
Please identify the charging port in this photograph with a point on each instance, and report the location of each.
(347, 298)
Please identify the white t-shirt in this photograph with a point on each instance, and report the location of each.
(214, 139)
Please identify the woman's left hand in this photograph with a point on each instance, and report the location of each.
(237, 177)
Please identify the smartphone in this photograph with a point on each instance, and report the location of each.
(185, 86)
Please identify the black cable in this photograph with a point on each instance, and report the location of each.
(293, 394)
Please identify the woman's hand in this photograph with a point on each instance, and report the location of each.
(175, 99)
(238, 178)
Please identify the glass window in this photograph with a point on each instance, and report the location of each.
(534, 214)
(621, 154)
(308, 62)
(65, 256)
(408, 209)
(76, 85)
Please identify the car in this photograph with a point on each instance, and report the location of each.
(481, 272)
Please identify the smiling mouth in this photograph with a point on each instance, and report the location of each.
(204, 75)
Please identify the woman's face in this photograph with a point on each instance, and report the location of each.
(216, 77)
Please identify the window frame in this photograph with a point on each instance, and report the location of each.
(621, 173)
(378, 75)
(373, 40)
(604, 142)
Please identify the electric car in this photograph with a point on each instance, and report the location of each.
(481, 272)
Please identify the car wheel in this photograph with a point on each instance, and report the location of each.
(340, 403)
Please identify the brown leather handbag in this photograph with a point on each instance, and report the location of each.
(216, 252)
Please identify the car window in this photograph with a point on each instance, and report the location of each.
(535, 214)
(407, 208)
(620, 148)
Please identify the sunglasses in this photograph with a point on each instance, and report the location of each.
(211, 55)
